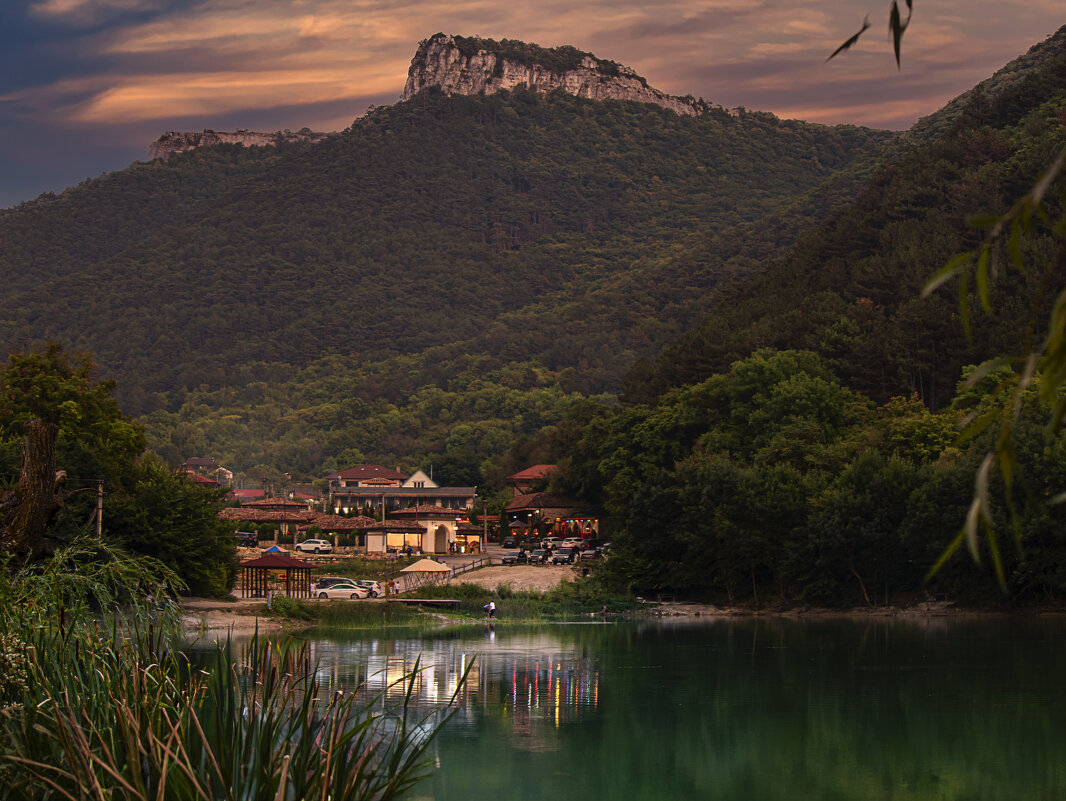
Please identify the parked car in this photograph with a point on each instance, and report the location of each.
(328, 581)
(591, 543)
(590, 553)
(516, 558)
(373, 588)
(246, 539)
(552, 542)
(314, 546)
(529, 544)
(572, 542)
(564, 556)
(539, 556)
(510, 541)
(344, 589)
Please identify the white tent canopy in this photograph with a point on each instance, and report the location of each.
(426, 566)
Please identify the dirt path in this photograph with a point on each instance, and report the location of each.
(520, 577)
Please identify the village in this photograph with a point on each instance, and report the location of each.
(373, 512)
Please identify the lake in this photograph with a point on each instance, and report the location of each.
(742, 709)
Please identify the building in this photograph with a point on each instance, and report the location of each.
(377, 491)
(545, 512)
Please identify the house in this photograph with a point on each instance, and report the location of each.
(380, 491)
(556, 512)
(207, 467)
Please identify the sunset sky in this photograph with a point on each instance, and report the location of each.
(86, 85)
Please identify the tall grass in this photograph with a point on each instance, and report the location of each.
(107, 707)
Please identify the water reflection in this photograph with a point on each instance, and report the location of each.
(531, 679)
(744, 710)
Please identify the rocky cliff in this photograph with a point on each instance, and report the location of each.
(461, 65)
(181, 142)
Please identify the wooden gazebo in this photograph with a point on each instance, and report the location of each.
(255, 576)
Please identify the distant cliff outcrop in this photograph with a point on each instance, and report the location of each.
(470, 65)
(183, 141)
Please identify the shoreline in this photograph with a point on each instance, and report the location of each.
(204, 615)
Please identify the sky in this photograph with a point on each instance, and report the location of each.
(87, 85)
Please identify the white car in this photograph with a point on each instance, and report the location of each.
(571, 542)
(342, 589)
(314, 546)
(372, 587)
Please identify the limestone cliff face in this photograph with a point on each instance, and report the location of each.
(181, 142)
(468, 66)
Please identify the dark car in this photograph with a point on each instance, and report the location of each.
(510, 541)
(590, 553)
(539, 557)
(564, 556)
(516, 558)
(246, 539)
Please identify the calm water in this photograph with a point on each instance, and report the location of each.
(746, 710)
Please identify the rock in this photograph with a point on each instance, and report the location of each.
(458, 65)
(184, 141)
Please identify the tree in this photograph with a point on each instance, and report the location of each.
(166, 516)
(76, 427)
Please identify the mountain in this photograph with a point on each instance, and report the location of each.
(538, 240)
(849, 290)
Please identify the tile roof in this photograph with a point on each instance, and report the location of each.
(428, 510)
(534, 472)
(544, 500)
(367, 471)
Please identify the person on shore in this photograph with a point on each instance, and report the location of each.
(490, 609)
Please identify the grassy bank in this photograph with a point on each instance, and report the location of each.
(567, 601)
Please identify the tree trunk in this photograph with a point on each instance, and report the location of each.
(26, 510)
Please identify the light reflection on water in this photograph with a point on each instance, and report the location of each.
(730, 710)
(533, 679)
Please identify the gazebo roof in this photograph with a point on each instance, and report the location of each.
(276, 561)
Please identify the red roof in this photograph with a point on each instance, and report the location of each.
(276, 561)
(196, 478)
(368, 471)
(534, 472)
(248, 493)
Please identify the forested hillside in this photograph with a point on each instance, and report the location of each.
(850, 290)
(519, 221)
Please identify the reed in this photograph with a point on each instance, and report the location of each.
(110, 708)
